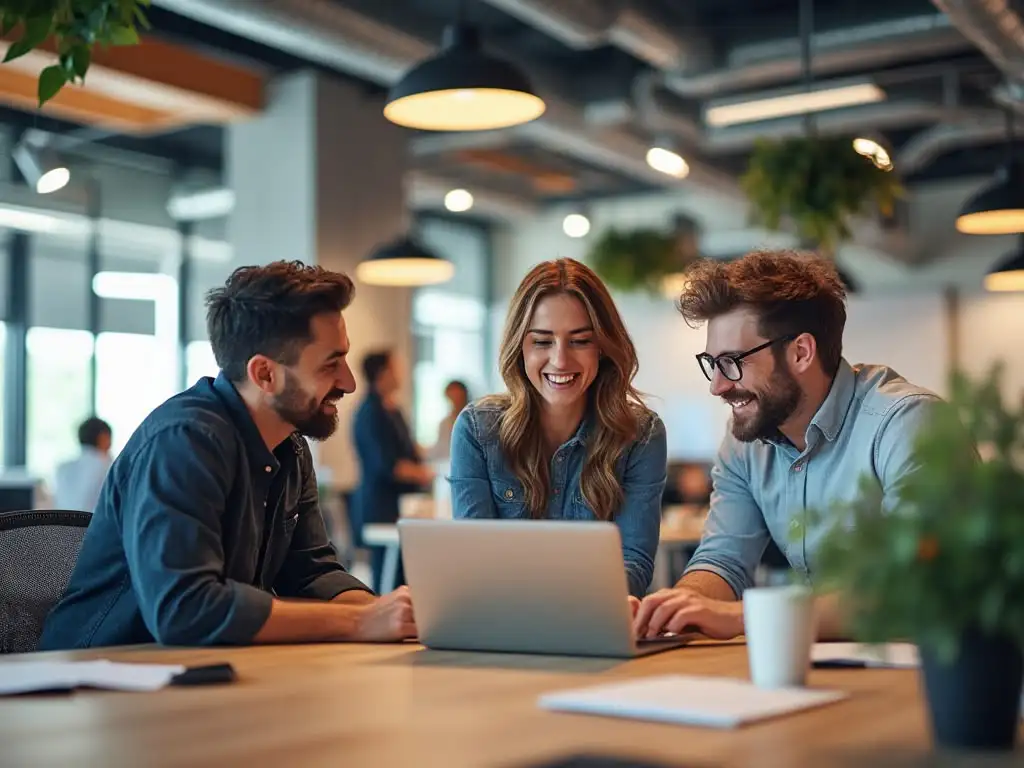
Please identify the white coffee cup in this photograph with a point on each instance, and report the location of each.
(780, 626)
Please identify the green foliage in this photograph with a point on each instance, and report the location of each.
(946, 555)
(638, 259)
(76, 26)
(817, 184)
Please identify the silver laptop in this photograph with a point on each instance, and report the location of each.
(522, 586)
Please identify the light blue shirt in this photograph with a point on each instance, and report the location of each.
(483, 486)
(78, 482)
(866, 426)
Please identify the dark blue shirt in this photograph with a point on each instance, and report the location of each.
(381, 439)
(197, 525)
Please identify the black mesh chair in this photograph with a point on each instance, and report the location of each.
(38, 551)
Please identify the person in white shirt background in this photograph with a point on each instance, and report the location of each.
(78, 482)
(457, 394)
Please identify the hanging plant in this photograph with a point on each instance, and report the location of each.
(817, 184)
(76, 26)
(642, 259)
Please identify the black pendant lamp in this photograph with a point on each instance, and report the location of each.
(463, 89)
(998, 208)
(1008, 273)
(404, 262)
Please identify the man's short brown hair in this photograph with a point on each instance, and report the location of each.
(789, 293)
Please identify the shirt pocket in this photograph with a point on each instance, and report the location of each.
(579, 509)
(509, 497)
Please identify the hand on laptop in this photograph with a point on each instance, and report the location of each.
(673, 610)
(634, 605)
(388, 618)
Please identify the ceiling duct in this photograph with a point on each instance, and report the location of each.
(874, 45)
(585, 24)
(996, 27)
(322, 31)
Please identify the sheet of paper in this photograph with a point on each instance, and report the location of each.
(894, 655)
(706, 701)
(28, 676)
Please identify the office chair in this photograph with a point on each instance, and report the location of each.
(38, 551)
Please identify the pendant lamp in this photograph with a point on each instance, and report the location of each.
(463, 89)
(1008, 273)
(404, 262)
(998, 208)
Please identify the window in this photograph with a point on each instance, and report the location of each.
(199, 362)
(450, 323)
(134, 374)
(59, 367)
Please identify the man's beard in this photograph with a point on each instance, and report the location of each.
(305, 413)
(768, 410)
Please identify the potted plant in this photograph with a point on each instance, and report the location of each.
(76, 26)
(941, 563)
(816, 184)
(645, 259)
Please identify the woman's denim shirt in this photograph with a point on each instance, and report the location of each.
(483, 486)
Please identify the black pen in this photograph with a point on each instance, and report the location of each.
(839, 664)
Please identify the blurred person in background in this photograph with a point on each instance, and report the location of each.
(391, 463)
(78, 482)
(457, 394)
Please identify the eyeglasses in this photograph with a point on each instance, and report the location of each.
(729, 365)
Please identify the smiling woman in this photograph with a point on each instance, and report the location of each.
(572, 439)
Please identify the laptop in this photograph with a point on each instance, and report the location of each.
(522, 586)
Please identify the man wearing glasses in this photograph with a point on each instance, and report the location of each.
(805, 427)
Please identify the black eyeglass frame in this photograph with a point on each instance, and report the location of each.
(714, 362)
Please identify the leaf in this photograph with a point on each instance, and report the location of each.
(37, 29)
(122, 35)
(10, 20)
(141, 18)
(51, 80)
(82, 57)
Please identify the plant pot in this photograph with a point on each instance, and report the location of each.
(974, 701)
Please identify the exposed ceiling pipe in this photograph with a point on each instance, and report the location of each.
(584, 24)
(874, 45)
(995, 27)
(929, 144)
(336, 36)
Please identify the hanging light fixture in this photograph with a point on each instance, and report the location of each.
(463, 89)
(1008, 273)
(41, 168)
(998, 208)
(404, 262)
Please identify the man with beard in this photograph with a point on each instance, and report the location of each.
(208, 528)
(806, 426)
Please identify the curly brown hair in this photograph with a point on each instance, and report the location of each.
(791, 293)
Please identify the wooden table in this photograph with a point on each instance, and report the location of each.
(402, 705)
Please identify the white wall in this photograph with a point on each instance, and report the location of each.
(900, 318)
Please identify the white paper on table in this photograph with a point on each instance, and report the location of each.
(888, 655)
(28, 676)
(688, 700)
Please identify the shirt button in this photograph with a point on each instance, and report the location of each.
(794, 524)
(798, 467)
(556, 491)
(267, 469)
(559, 458)
(509, 494)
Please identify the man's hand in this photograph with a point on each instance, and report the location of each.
(386, 619)
(673, 610)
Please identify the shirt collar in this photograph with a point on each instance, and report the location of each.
(260, 456)
(832, 413)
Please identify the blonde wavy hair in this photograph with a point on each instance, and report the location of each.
(617, 412)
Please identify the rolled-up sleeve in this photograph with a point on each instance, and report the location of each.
(311, 568)
(639, 518)
(735, 534)
(895, 457)
(469, 478)
(171, 511)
